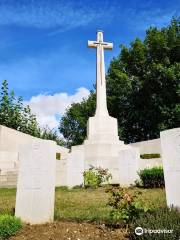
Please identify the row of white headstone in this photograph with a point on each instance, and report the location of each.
(36, 179)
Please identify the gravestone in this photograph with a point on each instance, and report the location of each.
(36, 182)
(128, 166)
(170, 143)
(75, 166)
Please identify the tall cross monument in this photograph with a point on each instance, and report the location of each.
(102, 147)
(101, 102)
(101, 127)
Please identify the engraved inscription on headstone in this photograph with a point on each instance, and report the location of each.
(36, 182)
(170, 143)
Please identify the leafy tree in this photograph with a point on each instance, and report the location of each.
(14, 114)
(143, 89)
(73, 123)
(152, 68)
(51, 134)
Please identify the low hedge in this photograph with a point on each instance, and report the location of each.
(150, 155)
(164, 221)
(58, 156)
(152, 177)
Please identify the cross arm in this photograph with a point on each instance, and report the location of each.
(94, 44)
(107, 45)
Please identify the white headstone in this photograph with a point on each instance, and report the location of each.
(128, 166)
(36, 182)
(170, 143)
(75, 166)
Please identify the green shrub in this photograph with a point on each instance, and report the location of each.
(95, 177)
(63, 188)
(152, 177)
(58, 156)
(125, 206)
(78, 186)
(9, 225)
(150, 155)
(161, 219)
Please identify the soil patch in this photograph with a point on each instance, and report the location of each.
(65, 230)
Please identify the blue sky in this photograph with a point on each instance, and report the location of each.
(43, 44)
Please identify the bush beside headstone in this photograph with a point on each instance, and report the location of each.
(152, 177)
(9, 225)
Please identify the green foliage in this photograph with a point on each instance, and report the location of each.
(9, 225)
(73, 123)
(125, 206)
(143, 89)
(95, 177)
(162, 218)
(51, 134)
(84, 204)
(78, 186)
(152, 177)
(14, 114)
(62, 188)
(150, 155)
(58, 156)
(151, 101)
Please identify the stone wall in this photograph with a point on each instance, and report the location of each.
(11, 143)
(8, 168)
(148, 147)
(12, 140)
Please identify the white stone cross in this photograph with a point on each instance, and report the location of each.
(101, 102)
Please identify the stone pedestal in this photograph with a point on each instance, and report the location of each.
(170, 143)
(102, 148)
(102, 144)
(36, 182)
(102, 129)
(121, 161)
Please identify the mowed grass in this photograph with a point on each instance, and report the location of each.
(7, 200)
(83, 204)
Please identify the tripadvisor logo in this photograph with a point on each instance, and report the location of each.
(138, 231)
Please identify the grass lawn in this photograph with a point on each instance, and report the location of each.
(82, 204)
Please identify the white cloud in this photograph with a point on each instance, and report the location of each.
(48, 108)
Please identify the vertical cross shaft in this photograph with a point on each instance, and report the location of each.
(101, 102)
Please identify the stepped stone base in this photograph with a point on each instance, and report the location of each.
(102, 148)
